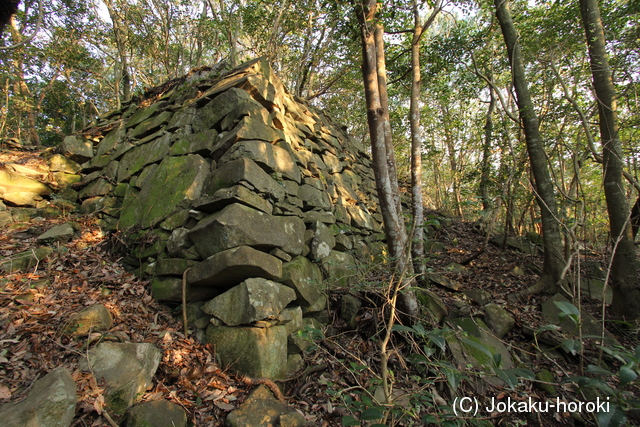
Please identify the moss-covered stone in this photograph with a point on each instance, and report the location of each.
(176, 182)
(157, 413)
(256, 352)
(25, 260)
(546, 383)
(51, 402)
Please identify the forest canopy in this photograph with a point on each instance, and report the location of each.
(65, 62)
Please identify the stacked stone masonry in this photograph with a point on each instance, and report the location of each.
(263, 201)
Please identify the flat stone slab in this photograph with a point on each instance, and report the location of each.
(228, 196)
(239, 225)
(13, 183)
(252, 300)
(271, 157)
(228, 268)
(62, 232)
(440, 280)
(246, 172)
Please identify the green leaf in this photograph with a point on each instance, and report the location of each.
(616, 417)
(590, 382)
(372, 414)
(523, 373)
(594, 369)
(419, 329)
(453, 376)
(508, 377)
(429, 419)
(479, 347)
(548, 328)
(402, 328)
(571, 346)
(348, 421)
(627, 375)
(568, 309)
(418, 358)
(497, 360)
(437, 340)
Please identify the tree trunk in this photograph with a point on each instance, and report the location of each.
(545, 195)
(120, 36)
(376, 116)
(27, 105)
(624, 278)
(417, 206)
(486, 154)
(381, 72)
(6, 12)
(453, 160)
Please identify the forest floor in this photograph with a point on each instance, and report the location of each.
(341, 377)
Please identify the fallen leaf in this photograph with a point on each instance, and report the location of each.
(5, 393)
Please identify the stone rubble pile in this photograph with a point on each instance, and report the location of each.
(260, 198)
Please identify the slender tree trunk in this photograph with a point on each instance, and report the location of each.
(376, 117)
(27, 102)
(486, 154)
(417, 248)
(453, 161)
(624, 278)
(545, 194)
(120, 36)
(381, 72)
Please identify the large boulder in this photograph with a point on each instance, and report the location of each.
(245, 172)
(25, 260)
(239, 225)
(472, 344)
(20, 190)
(256, 352)
(589, 325)
(77, 149)
(254, 299)
(51, 402)
(322, 242)
(176, 182)
(127, 370)
(339, 268)
(157, 413)
(305, 278)
(95, 318)
(261, 409)
(60, 163)
(270, 157)
(135, 159)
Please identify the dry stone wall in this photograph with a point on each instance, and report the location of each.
(261, 199)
